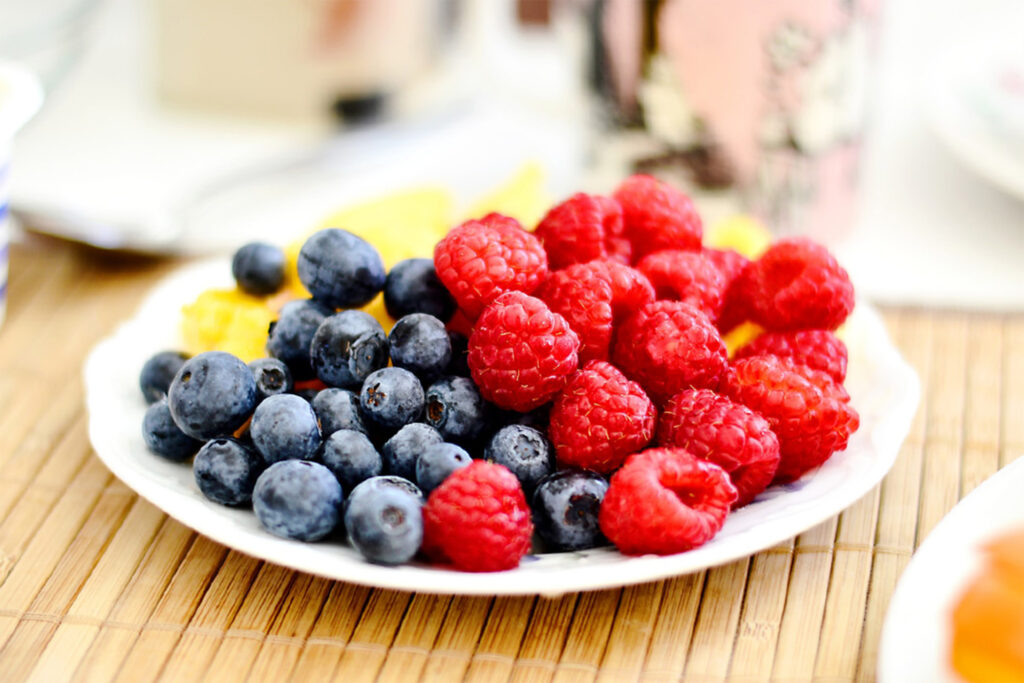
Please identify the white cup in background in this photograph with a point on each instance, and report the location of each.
(20, 98)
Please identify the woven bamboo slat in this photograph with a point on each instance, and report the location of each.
(98, 585)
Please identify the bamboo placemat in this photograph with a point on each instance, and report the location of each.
(98, 585)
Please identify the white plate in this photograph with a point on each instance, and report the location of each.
(883, 387)
(916, 634)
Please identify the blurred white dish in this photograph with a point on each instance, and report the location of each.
(916, 635)
(974, 98)
(884, 388)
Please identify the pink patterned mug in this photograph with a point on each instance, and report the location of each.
(750, 105)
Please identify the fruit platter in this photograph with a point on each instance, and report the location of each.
(598, 400)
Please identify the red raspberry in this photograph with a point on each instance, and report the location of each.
(582, 228)
(731, 264)
(478, 519)
(657, 216)
(599, 419)
(664, 501)
(729, 261)
(818, 349)
(668, 346)
(460, 323)
(583, 296)
(521, 353)
(731, 435)
(797, 284)
(804, 407)
(686, 276)
(631, 290)
(480, 260)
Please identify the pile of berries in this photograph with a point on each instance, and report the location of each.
(571, 381)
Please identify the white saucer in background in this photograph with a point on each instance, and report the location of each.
(915, 637)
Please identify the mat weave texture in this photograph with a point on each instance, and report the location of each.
(98, 585)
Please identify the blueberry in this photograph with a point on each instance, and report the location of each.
(459, 364)
(565, 509)
(259, 268)
(412, 286)
(523, 450)
(158, 372)
(226, 471)
(339, 269)
(284, 427)
(437, 462)
(350, 455)
(347, 347)
(297, 499)
(337, 409)
(403, 449)
(292, 332)
(455, 408)
(387, 481)
(420, 344)
(212, 395)
(384, 523)
(307, 394)
(272, 377)
(538, 418)
(164, 437)
(391, 398)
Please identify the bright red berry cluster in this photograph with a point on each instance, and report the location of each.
(629, 320)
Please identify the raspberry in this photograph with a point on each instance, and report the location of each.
(668, 346)
(521, 353)
(731, 435)
(582, 228)
(657, 216)
(664, 501)
(687, 276)
(599, 419)
(478, 519)
(583, 296)
(482, 259)
(729, 261)
(460, 323)
(818, 349)
(797, 284)
(805, 408)
(631, 289)
(731, 264)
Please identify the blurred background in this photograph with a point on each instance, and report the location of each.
(893, 130)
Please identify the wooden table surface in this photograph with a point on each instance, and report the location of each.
(97, 584)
